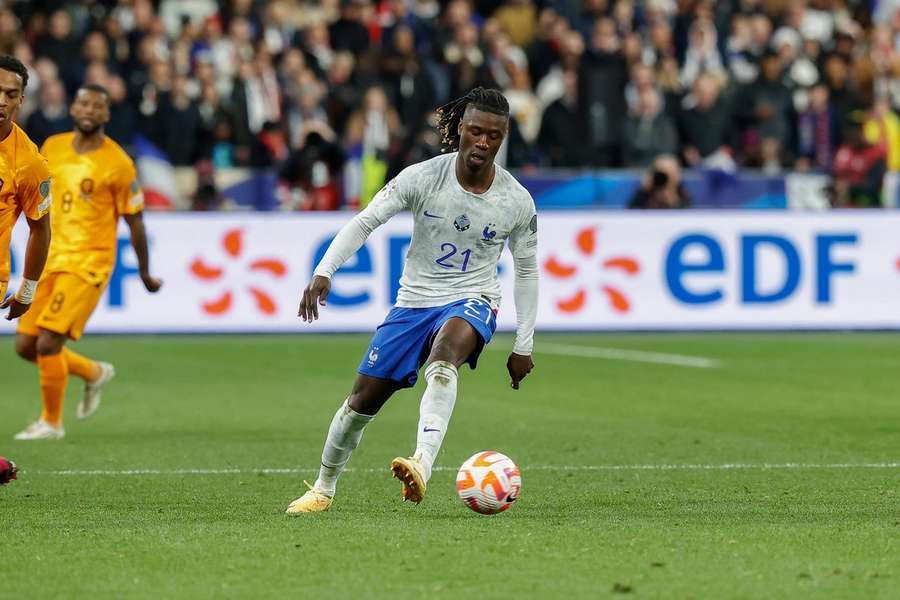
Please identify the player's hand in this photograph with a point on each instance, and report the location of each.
(518, 366)
(151, 283)
(314, 295)
(16, 308)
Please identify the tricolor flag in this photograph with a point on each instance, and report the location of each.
(156, 175)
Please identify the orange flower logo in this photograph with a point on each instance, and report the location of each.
(233, 245)
(586, 244)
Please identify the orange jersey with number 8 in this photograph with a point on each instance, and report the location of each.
(90, 191)
(24, 187)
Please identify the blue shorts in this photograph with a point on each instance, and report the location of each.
(402, 343)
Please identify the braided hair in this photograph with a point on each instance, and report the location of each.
(450, 114)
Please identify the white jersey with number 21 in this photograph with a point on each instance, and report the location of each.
(458, 235)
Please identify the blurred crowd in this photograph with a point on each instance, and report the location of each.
(338, 95)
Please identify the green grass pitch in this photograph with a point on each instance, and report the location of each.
(618, 500)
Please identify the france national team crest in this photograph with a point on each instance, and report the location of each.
(489, 232)
(462, 223)
(373, 356)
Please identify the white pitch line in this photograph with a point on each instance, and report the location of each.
(649, 467)
(679, 360)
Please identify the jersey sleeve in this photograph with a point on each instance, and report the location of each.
(397, 195)
(523, 237)
(34, 189)
(523, 246)
(127, 191)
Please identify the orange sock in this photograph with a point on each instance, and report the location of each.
(54, 377)
(81, 366)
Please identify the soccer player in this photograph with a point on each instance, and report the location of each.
(465, 208)
(94, 182)
(24, 188)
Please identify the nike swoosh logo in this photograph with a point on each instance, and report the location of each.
(428, 214)
(426, 430)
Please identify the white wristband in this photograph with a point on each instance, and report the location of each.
(25, 293)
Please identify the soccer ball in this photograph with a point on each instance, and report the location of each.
(489, 482)
(7, 470)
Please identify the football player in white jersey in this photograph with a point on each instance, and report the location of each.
(465, 210)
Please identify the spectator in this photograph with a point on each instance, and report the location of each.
(181, 124)
(882, 128)
(649, 131)
(349, 32)
(406, 83)
(305, 108)
(543, 52)
(661, 186)
(702, 54)
(465, 59)
(313, 171)
(602, 76)
(762, 113)
(207, 196)
(704, 122)
(122, 115)
(53, 115)
(843, 96)
(858, 171)
(343, 93)
(61, 46)
(818, 132)
(524, 107)
(370, 132)
(517, 20)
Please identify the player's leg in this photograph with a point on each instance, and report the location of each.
(54, 375)
(344, 434)
(96, 374)
(71, 305)
(390, 362)
(52, 370)
(454, 343)
(26, 346)
(452, 347)
(368, 396)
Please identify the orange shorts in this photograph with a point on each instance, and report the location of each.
(63, 303)
(3, 285)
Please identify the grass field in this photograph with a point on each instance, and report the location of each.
(772, 474)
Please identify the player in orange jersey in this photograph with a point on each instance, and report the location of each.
(94, 182)
(24, 188)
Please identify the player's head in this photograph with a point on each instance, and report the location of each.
(13, 79)
(90, 108)
(476, 125)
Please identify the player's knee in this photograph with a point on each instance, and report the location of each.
(26, 347)
(453, 349)
(49, 344)
(446, 350)
(363, 404)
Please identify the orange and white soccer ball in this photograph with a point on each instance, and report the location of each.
(489, 482)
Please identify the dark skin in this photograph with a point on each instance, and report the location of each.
(12, 93)
(481, 134)
(90, 112)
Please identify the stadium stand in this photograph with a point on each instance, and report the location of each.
(306, 105)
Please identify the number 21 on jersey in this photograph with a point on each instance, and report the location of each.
(450, 251)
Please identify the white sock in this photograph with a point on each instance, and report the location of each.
(434, 411)
(343, 437)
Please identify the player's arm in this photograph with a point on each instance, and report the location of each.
(135, 223)
(393, 197)
(523, 245)
(35, 259)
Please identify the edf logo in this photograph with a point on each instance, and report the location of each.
(681, 273)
